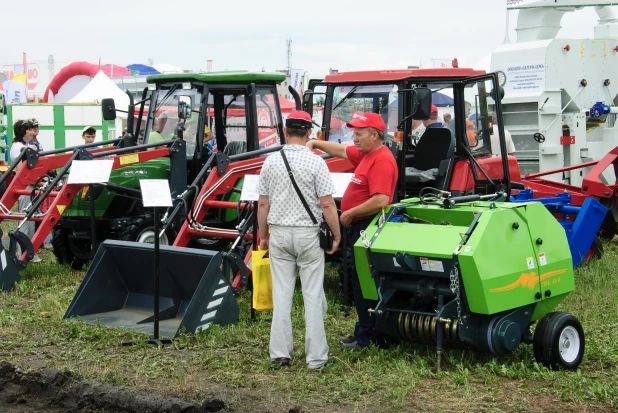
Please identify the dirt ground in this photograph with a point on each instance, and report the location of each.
(51, 391)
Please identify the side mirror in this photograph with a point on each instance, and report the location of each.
(421, 103)
(184, 107)
(108, 107)
(497, 95)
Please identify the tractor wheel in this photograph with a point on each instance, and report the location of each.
(62, 250)
(141, 229)
(559, 341)
(596, 250)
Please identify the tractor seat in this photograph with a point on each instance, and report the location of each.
(235, 148)
(432, 156)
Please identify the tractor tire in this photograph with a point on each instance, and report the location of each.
(141, 229)
(596, 250)
(559, 341)
(62, 250)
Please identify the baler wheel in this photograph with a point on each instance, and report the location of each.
(559, 341)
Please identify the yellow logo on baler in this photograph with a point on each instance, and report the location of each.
(528, 280)
(61, 208)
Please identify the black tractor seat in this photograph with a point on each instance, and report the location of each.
(432, 157)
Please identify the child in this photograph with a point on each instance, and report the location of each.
(89, 134)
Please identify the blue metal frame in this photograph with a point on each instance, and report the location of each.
(583, 226)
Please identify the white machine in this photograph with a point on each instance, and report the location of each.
(559, 93)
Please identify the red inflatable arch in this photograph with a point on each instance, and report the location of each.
(79, 74)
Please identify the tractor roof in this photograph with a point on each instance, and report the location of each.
(219, 77)
(390, 75)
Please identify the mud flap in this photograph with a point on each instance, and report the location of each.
(10, 263)
(118, 289)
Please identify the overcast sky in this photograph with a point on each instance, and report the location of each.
(251, 35)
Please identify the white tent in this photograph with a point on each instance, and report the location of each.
(99, 88)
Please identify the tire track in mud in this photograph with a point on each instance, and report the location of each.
(52, 391)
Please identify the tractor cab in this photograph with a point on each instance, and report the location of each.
(232, 112)
(466, 156)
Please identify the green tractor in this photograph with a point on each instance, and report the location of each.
(242, 111)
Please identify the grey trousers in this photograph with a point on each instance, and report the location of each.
(29, 226)
(293, 248)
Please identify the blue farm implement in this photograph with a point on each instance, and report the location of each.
(581, 223)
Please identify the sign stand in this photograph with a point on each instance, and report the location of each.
(249, 194)
(156, 194)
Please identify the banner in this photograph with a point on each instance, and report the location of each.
(296, 81)
(15, 89)
(12, 70)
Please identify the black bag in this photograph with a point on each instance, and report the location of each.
(326, 235)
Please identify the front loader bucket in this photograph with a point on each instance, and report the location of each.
(118, 289)
(9, 273)
(10, 265)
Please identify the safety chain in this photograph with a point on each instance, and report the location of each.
(456, 290)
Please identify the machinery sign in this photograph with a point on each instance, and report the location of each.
(522, 78)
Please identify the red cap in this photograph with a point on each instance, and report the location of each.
(336, 123)
(298, 119)
(434, 109)
(367, 120)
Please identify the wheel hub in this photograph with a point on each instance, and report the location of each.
(569, 344)
(148, 237)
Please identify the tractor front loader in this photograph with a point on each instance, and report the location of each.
(242, 109)
(33, 174)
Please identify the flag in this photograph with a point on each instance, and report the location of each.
(296, 80)
(25, 78)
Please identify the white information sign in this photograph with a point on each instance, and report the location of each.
(90, 172)
(155, 192)
(341, 181)
(522, 78)
(249, 190)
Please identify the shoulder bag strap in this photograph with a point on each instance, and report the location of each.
(300, 195)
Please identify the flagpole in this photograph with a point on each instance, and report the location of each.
(25, 63)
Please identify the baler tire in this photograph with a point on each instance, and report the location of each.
(137, 227)
(62, 250)
(553, 337)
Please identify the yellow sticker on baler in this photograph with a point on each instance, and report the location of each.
(125, 160)
(61, 208)
(530, 262)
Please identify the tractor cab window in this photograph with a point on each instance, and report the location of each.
(227, 118)
(480, 133)
(267, 117)
(163, 119)
(349, 99)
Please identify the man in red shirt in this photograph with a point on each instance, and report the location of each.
(371, 188)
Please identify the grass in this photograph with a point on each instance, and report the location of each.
(231, 363)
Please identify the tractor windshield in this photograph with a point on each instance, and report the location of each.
(348, 99)
(163, 118)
